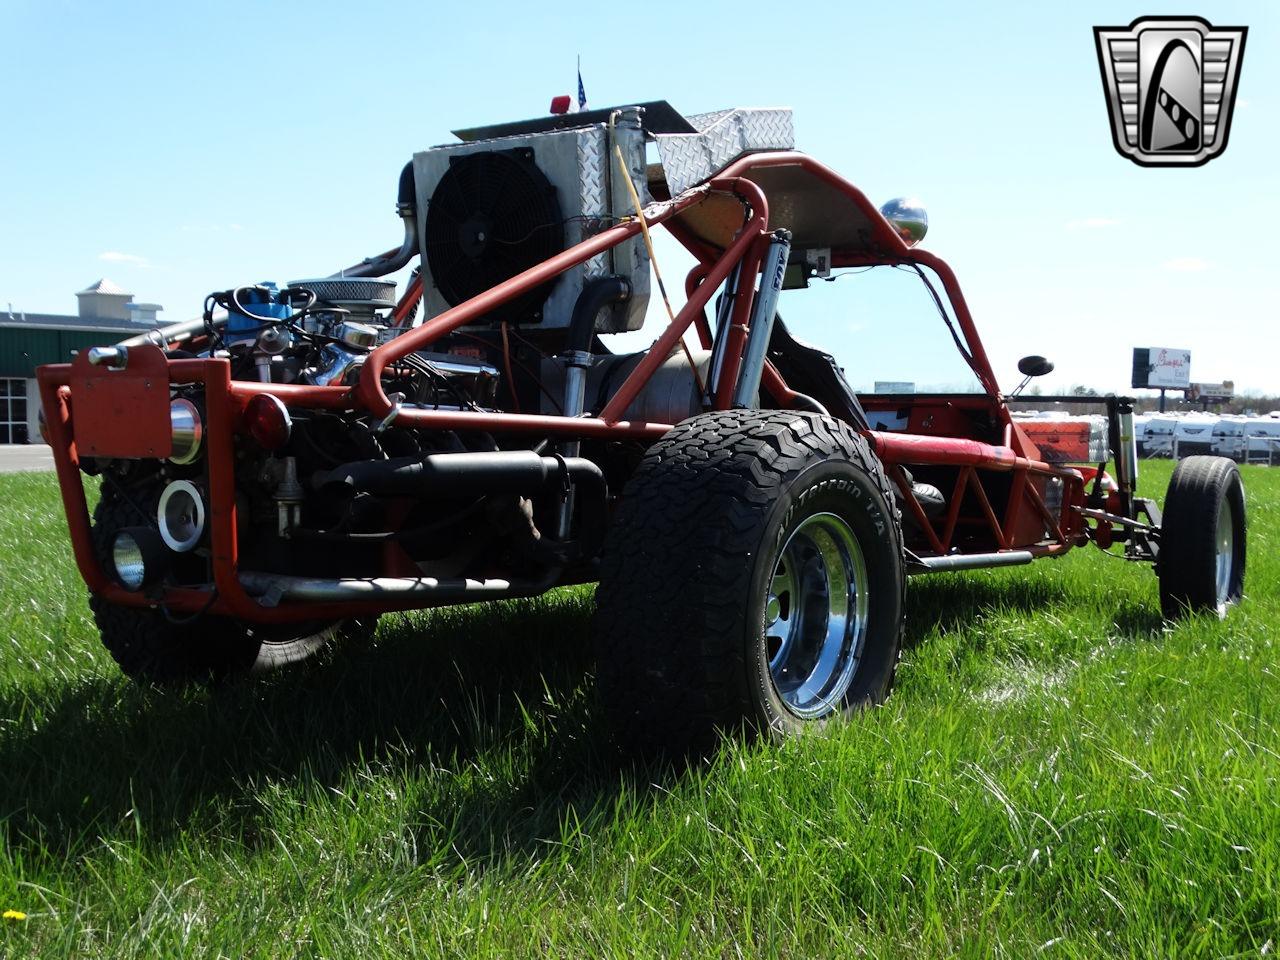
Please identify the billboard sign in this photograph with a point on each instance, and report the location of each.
(1161, 368)
(1212, 391)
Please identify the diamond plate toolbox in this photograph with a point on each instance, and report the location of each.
(690, 158)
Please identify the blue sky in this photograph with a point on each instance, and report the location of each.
(182, 148)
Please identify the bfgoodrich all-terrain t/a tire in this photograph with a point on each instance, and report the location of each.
(1202, 538)
(752, 578)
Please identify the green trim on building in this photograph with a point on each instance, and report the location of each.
(22, 350)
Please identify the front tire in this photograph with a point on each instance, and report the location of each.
(152, 648)
(752, 578)
(1202, 538)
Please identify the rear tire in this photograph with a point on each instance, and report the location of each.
(752, 578)
(1201, 563)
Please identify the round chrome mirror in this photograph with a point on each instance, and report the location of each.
(907, 216)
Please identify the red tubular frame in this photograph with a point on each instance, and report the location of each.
(225, 401)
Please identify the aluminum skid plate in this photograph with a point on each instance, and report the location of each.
(724, 135)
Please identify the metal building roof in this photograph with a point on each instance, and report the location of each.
(105, 286)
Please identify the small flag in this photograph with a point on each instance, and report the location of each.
(582, 91)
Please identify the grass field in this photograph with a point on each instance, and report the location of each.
(1058, 774)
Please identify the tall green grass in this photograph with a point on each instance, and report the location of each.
(1057, 774)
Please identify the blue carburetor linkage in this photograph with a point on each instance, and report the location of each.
(261, 305)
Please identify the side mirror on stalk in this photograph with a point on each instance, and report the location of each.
(1029, 367)
(1034, 366)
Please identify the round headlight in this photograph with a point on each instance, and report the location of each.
(126, 555)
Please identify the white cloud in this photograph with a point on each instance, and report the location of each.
(115, 256)
(1091, 223)
(1186, 264)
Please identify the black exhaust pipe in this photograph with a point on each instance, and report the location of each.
(448, 474)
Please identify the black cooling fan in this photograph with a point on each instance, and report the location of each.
(492, 216)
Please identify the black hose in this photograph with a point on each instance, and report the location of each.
(803, 401)
(595, 296)
(407, 195)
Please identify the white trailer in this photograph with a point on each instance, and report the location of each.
(1229, 438)
(1263, 434)
(1159, 435)
(1192, 435)
(1140, 432)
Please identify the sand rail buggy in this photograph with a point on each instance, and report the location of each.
(299, 460)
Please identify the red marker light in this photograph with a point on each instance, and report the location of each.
(267, 421)
(560, 104)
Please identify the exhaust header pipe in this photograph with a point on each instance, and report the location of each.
(971, 561)
(271, 589)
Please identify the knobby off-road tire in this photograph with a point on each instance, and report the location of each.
(152, 648)
(1202, 538)
(694, 632)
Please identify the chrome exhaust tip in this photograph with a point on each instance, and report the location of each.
(187, 431)
(180, 516)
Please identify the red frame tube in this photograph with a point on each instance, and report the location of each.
(695, 277)
(748, 238)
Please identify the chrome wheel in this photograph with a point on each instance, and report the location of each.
(1225, 544)
(816, 615)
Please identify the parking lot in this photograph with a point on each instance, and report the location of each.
(16, 458)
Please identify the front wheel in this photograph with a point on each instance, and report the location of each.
(753, 578)
(1202, 538)
(153, 648)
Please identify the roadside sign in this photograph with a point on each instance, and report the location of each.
(1212, 391)
(1161, 368)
